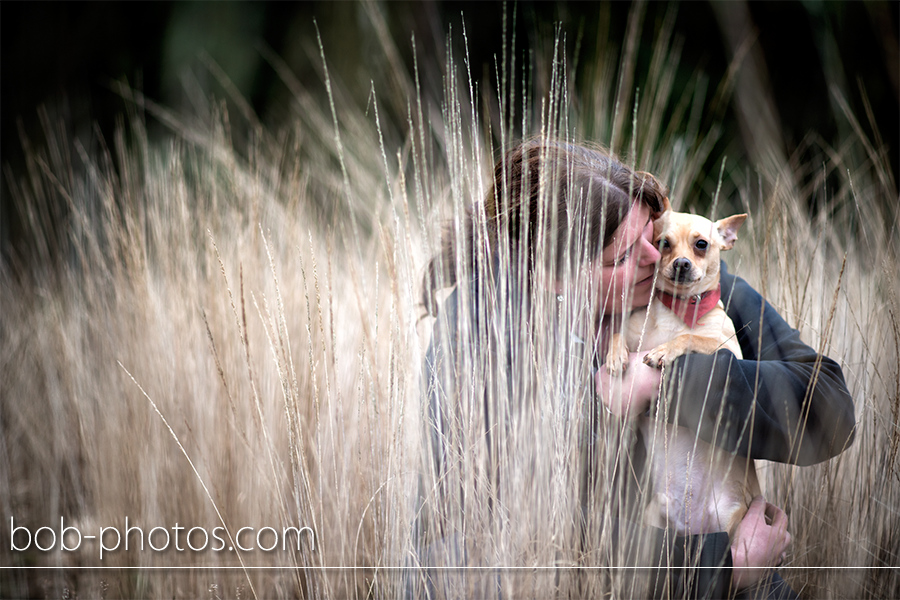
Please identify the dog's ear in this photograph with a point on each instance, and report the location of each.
(728, 228)
(664, 206)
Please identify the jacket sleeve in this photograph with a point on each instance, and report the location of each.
(783, 402)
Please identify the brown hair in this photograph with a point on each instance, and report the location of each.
(542, 191)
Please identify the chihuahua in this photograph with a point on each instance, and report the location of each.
(696, 488)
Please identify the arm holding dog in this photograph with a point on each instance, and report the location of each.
(795, 400)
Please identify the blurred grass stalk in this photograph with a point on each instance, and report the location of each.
(263, 299)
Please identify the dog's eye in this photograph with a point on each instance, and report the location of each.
(701, 244)
(664, 244)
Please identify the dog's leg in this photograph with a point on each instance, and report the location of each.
(750, 489)
(664, 354)
(735, 520)
(660, 513)
(617, 355)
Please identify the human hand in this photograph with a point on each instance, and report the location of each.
(759, 543)
(629, 394)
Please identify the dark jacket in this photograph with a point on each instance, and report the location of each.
(782, 402)
(795, 400)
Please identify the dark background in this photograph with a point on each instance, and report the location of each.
(65, 56)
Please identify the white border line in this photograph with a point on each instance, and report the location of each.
(411, 568)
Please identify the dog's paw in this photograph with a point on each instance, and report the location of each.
(616, 365)
(617, 356)
(658, 357)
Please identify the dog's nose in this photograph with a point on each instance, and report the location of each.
(682, 268)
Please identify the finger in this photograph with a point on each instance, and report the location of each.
(757, 506)
(771, 513)
(779, 517)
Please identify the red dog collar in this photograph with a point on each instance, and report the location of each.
(694, 308)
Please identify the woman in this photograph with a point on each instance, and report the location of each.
(543, 270)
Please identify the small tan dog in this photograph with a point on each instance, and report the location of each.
(696, 488)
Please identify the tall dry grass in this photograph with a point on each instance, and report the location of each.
(228, 333)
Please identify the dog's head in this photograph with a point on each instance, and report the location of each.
(689, 246)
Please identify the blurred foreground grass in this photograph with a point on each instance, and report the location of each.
(225, 332)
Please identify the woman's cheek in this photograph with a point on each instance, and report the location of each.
(626, 278)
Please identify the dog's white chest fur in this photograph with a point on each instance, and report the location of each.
(659, 324)
(695, 487)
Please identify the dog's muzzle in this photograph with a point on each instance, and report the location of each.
(681, 270)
